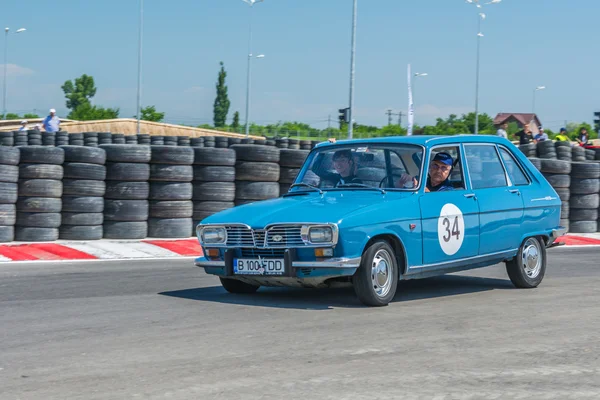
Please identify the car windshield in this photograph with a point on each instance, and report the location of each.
(361, 167)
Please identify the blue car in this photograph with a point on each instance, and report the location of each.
(375, 211)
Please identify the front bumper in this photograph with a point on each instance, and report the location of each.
(555, 234)
(327, 263)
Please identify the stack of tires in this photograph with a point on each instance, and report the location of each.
(143, 138)
(557, 173)
(282, 143)
(157, 140)
(76, 139)
(563, 151)
(221, 142)
(62, 138)
(171, 209)
(90, 139)
(290, 162)
(34, 138)
(546, 149)
(21, 138)
(104, 138)
(197, 142)
(48, 139)
(294, 144)
(256, 173)
(183, 141)
(578, 153)
(131, 139)
(83, 193)
(585, 200)
(590, 154)
(214, 181)
(233, 141)
(209, 141)
(9, 176)
(118, 138)
(170, 140)
(40, 192)
(305, 145)
(127, 191)
(528, 149)
(7, 139)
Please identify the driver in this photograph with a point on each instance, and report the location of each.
(437, 180)
(345, 166)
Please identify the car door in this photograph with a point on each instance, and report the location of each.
(500, 203)
(450, 219)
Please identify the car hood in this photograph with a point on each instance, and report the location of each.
(330, 207)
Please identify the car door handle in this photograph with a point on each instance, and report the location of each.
(470, 195)
(515, 191)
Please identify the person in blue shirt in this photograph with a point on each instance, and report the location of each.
(437, 178)
(51, 123)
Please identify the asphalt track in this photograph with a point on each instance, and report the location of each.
(165, 330)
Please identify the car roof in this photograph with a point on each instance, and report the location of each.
(425, 140)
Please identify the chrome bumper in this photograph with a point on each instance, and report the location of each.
(556, 233)
(329, 263)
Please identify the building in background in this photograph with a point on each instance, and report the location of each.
(521, 119)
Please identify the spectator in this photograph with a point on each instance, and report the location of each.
(23, 126)
(540, 137)
(562, 136)
(502, 131)
(38, 128)
(51, 123)
(584, 137)
(525, 135)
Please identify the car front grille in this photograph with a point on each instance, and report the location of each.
(278, 236)
(263, 253)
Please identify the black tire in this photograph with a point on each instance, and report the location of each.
(205, 173)
(117, 190)
(82, 187)
(126, 210)
(171, 173)
(284, 188)
(130, 172)
(205, 209)
(7, 234)
(214, 157)
(40, 188)
(170, 228)
(39, 220)
(88, 155)
(81, 232)
(40, 171)
(292, 158)
(583, 226)
(238, 287)
(564, 194)
(85, 204)
(8, 193)
(288, 175)
(563, 144)
(585, 186)
(39, 204)
(583, 214)
(9, 155)
(170, 155)
(239, 202)
(247, 152)
(564, 223)
(9, 173)
(125, 230)
(74, 170)
(584, 201)
(213, 191)
(256, 190)
(564, 210)
(42, 155)
(29, 234)
(8, 214)
(127, 153)
(171, 209)
(585, 170)
(170, 191)
(371, 291)
(523, 271)
(82, 219)
(558, 180)
(256, 171)
(556, 166)
(537, 163)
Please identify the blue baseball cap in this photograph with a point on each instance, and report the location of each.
(563, 130)
(444, 158)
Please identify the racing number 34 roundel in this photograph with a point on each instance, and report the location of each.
(451, 229)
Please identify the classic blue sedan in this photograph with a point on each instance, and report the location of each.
(375, 211)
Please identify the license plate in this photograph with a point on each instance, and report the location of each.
(254, 266)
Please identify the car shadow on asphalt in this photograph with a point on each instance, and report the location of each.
(325, 299)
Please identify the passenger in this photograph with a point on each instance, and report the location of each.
(437, 179)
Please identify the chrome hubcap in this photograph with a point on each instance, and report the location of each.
(381, 273)
(531, 258)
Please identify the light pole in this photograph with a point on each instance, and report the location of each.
(6, 30)
(480, 17)
(534, 92)
(251, 3)
(417, 75)
(139, 84)
(352, 70)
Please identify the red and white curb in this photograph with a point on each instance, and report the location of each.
(152, 249)
(100, 250)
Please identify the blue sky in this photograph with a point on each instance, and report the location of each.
(305, 74)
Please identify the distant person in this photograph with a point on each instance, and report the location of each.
(525, 135)
(542, 136)
(51, 123)
(584, 137)
(23, 126)
(38, 127)
(502, 131)
(562, 136)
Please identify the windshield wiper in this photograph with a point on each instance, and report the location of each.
(302, 184)
(361, 185)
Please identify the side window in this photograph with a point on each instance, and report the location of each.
(485, 168)
(515, 172)
(455, 177)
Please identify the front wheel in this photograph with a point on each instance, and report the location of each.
(238, 287)
(527, 269)
(376, 279)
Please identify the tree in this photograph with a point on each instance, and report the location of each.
(80, 92)
(150, 114)
(87, 112)
(12, 116)
(222, 103)
(236, 120)
(30, 116)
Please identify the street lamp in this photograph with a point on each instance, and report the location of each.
(418, 75)
(352, 69)
(6, 30)
(534, 92)
(139, 84)
(480, 17)
(251, 3)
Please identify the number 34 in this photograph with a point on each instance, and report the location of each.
(449, 233)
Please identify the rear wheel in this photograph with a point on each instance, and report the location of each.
(527, 269)
(376, 279)
(238, 287)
